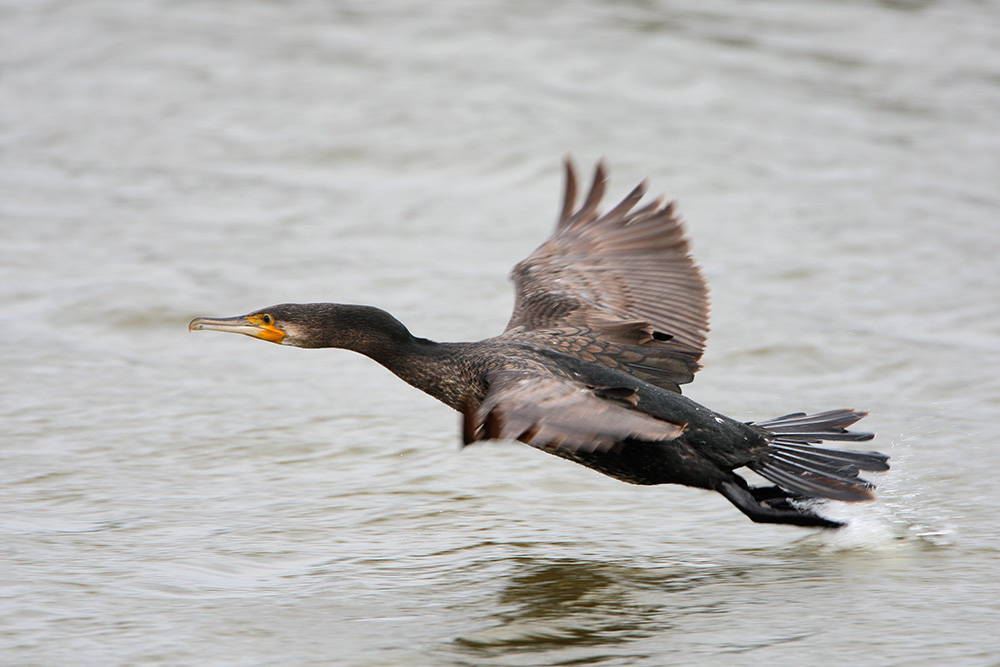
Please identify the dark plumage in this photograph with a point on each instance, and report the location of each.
(610, 317)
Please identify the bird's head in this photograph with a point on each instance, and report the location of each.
(313, 325)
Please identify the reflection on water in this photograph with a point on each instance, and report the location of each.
(566, 603)
(550, 605)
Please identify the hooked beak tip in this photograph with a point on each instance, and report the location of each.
(237, 324)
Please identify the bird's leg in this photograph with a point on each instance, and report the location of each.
(759, 505)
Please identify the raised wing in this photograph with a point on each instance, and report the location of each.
(558, 414)
(623, 268)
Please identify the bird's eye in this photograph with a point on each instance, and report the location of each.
(267, 319)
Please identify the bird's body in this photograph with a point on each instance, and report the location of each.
(610, 318)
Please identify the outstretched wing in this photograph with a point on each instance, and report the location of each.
(623, 268)
(558, 414)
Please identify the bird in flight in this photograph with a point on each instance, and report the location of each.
(610, 318)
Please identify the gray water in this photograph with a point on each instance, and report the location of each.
(198, 499)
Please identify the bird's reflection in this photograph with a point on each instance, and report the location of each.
(555, 604)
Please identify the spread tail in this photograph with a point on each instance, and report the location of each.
(795, 464)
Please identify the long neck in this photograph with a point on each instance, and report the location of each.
(442, 370)
(446, 371)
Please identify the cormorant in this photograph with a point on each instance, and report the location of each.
(610, 317)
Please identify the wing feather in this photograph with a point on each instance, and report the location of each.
(624, 265)
(554, 413)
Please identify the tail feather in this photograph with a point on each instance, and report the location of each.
(818, 472)
(812, 437)
(844, 473)
(815, 485)
(829, 425)
(870, 461)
